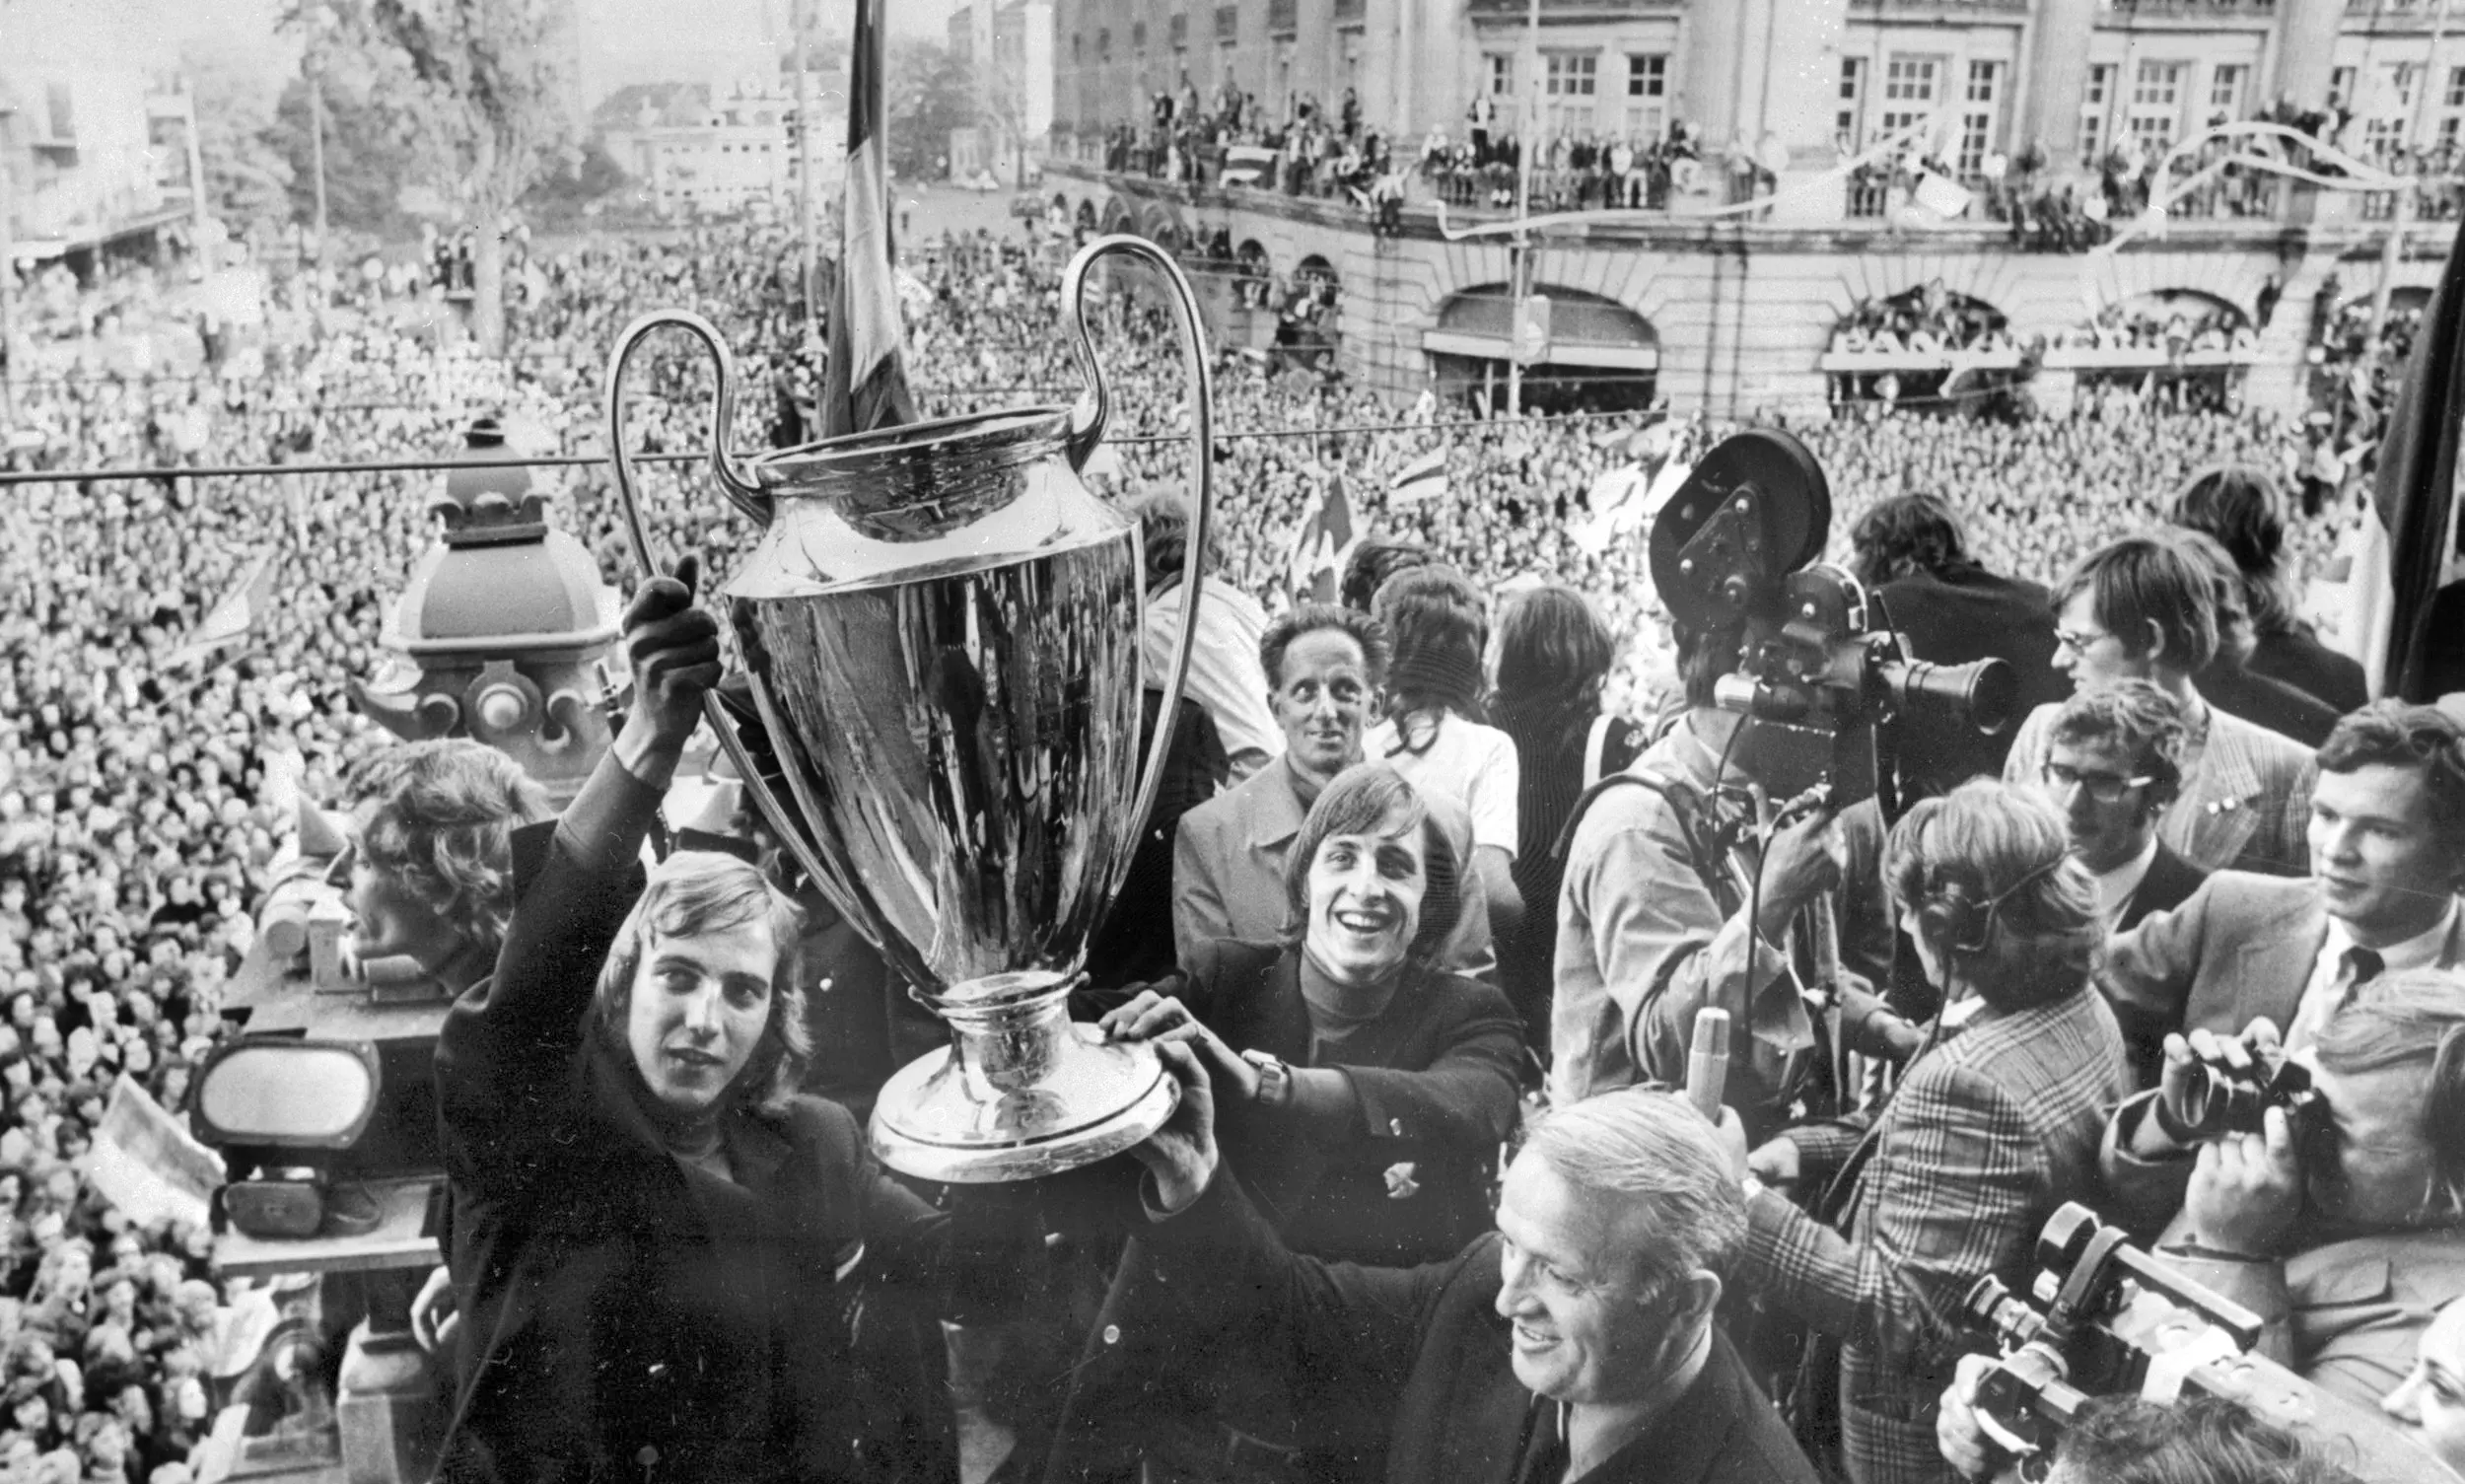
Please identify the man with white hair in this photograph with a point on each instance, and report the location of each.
(1575, 1342)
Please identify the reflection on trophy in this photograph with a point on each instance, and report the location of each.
(939, 625)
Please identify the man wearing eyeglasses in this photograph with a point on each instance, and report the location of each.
(2144, 608)
(2114, 765)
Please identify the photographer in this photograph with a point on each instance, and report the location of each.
(1993, 1127)
(663, 1247)
(2340, 1222)
(1648, 933)
(2387, 841)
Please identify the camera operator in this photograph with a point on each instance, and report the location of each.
(1992, 1127)
(660, 1242)
(2341, 1220)
(1910, 552)
(2144, 608)
(1647, 937)
(2387, 843)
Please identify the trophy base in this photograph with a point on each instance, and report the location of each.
(935, 1122)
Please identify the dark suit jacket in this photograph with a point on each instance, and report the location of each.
(1436, 1076)
(2287, 710)
(1417, 1359)
(614, 1302)
(1951, 619)
(2169, 881)
(2296, 657)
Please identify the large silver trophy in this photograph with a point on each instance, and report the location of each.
(941, 626)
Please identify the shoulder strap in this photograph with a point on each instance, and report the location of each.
(1684, 802)
(1593, 742)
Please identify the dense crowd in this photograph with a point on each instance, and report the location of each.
(147, 793)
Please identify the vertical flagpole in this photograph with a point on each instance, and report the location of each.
(805, 119)
(1522, 249)
(864, 386)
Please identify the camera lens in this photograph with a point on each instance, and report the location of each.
(2217, 1102)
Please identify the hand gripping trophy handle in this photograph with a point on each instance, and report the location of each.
(745, 496)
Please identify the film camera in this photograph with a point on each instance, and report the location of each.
(2221, 1099)
(2105, 1319)
(1822, 678)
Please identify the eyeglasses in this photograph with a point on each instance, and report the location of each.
(2105, 787)
(2070, 641)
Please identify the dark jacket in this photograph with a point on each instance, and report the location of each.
(2294, 656)
(626, 1318)
(2168, 883)
(1416, 1362)
(1952, 617)
(1436, 1075)
(2263, 702)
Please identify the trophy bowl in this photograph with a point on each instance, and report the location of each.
(940, 627)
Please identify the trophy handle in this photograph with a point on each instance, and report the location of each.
(753, 501)
(1086, 427)
(742, 493)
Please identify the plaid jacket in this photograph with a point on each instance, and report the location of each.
(1989, 1132)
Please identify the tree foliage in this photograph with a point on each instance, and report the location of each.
(247, 176)
(484, 85)
(931, 91)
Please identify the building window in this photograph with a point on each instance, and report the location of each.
(2340, 86)
(2391, 106)
(2095, 103)
(1572, 82)
(1103, 44)
(1849, 116)
(1138, 35)
(2225, 85)
(1647, 94)
(1909, 84)
(1977, 116)
(2156, 105)
(1499, 66)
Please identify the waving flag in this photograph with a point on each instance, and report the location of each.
(238, 610)
(1425, 478)
(1323, 542)
(2405, 584)
(865, 385)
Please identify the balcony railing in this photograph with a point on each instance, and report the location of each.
(2190, 9)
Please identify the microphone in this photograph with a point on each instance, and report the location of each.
(1707, 1062)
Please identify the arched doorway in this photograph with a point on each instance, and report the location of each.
(1253, 277)
(1927, 348)
(1085, 217)
(1310, 322)
(1600, 355)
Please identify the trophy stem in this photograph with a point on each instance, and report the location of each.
(1020, 1091)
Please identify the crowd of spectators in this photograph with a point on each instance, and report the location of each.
(146, 793)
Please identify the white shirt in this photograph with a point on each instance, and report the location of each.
(1225, 675)
(2321, 997)
(2115, 887)
(1472, 764)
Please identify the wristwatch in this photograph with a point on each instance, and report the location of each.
(1275, 1078)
